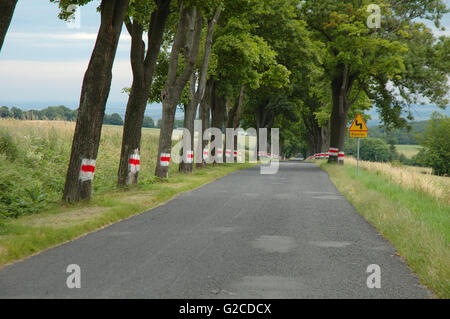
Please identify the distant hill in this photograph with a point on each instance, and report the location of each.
(419, 112)
(402, 136)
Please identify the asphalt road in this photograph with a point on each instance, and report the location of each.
(288, 235)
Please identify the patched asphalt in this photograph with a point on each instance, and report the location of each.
(246, 235)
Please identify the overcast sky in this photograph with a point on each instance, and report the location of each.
(43, 59)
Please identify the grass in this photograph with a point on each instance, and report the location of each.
(33, 160)
(408, 150)
(414, 178)
(415, 219)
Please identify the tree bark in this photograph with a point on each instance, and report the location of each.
(188, 35)
(94, 94)
(6, 13)
(205, 117)
(190, 110)
(234, 116)
(341, 84)
(143, 67)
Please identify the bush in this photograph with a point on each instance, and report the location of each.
(371, 149)
(436, 143)
(113, 119)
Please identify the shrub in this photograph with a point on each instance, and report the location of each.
(371, 149)
(436, 143)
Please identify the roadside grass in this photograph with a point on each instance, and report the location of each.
(414, 220)
(408, 150)
(414, 178)
(33, 162)
(26, 235)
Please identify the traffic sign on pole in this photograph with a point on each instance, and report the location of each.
(358, 129)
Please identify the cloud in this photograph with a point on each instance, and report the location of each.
(49, 80)
(79, 36)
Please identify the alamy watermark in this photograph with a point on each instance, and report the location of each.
(74, 20)
(374, 19)
(74, 279)
(374, 279)
(253, 141)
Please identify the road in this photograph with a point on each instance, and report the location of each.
(247, 235)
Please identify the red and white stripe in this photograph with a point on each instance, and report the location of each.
(189, 157)
(87, 170)
(341, 156)
(134, 163)
(205, 153)
(333, 151)
(219, 152)
(164, 159)
(228, 153)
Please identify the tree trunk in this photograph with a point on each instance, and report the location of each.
(197, 95)
(94, 94)
(205, 115)
(188, 36)
(6, 13)
(340, 85)
(143, 70)
(190, 110)
(234, 116)
(218, 111)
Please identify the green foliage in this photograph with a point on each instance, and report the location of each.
(113, 119)
(436, 143)
(61, 113)
(371, 149)
(148, 122)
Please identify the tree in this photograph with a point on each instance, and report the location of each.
(113, 119)
(142, 16)
(4, 112)
(148, 122)
(94, 94)
(6, 13)
(187, 39)
(371, 149)
(364, 59)
(197, 90)
(436, 143)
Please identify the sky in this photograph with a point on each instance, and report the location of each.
(43, 58)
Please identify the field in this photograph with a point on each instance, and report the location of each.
(411, 209)
(33, 162)
(408, 150)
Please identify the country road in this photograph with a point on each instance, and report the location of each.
(288, 235)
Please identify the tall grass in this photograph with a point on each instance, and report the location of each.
(417, 179)
(34, 158)
(415, 222)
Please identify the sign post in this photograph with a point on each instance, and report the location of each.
(358, 129)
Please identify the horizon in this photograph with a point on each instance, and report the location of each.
(44, 59)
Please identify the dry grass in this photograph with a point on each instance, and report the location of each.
(416, 224)
(414, 178)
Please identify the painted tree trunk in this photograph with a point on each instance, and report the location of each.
(94, 94)
(340, 86)
(143, 70)
(190, 111)
(188, 35)
(6, 13)
(205, 117)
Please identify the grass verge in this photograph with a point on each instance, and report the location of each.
(28, 234)
(416, 224)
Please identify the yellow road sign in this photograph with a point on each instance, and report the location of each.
(358, 127)
(358, 134)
